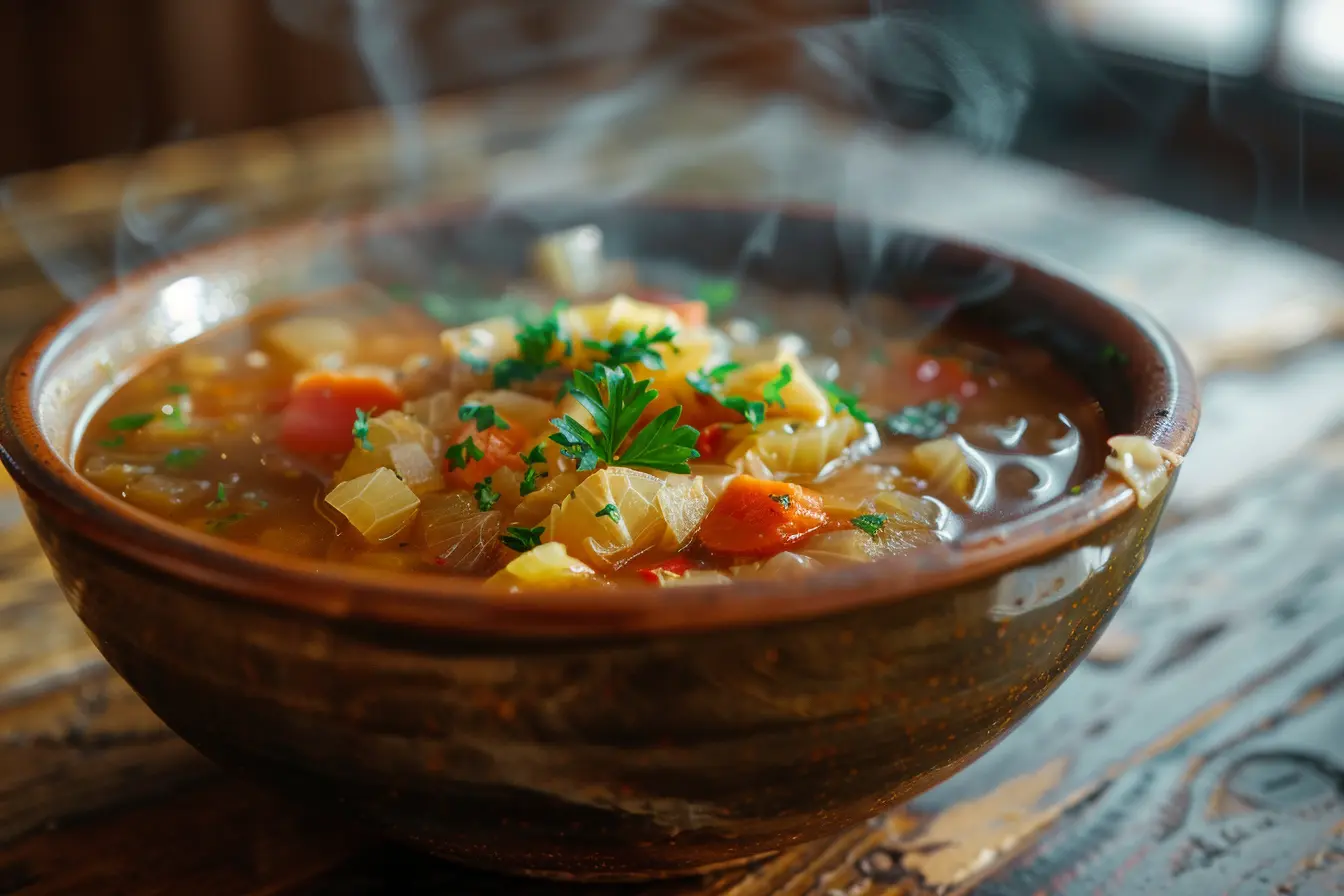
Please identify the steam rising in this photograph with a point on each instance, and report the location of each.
(633, 132)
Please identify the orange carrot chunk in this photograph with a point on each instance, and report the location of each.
(497, 447)
(758, 517)
(320, 416)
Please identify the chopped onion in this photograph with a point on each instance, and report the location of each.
(458, 536)
(377, 504)
(385, 431)
(545, 566)
(415, 468)
(537, 506)
(438, 412)
(1145, 467)
(683, 503)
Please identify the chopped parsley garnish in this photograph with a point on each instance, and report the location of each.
(486, 496)
(612, 511)
(716, 293)
(463, 453)
(179, 389)
(131, 422)
(705, 382)
(660, 445)
(522, 539)
(173, 418)
(771, 390)
(534, 346)
(529, 484)
(183, 458)
(635, 348)
(114, 442)
(221, 498)
(782, 500)
(483, 414)
(1076, 490)
(1112, 355)
(224, 522)
(536, 456)
(360, 430)
(844, 400)
(871, 523)
(924, 421)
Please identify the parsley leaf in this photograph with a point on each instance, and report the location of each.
(924, 421)
(844, 400)
(224, 522)
(534, 345)
(871, 523)
(486, 496)
(1112, 355)
(522, 539)
(529, 483)
(635, 348)
(131, 422)
(1076, 490)
(462, 453)
(771, 390)
(221, 498)
(114, 442)
(483, 414)
(612, 511)
(752, 411)
(179, 389)
(360, 429)
(616, 402)
(782, 500)
(183, 458)
(536, 456)
(716, 293)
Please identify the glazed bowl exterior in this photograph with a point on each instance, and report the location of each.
(615, 734)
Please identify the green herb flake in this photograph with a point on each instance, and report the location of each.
(183, 458)
(782, 500)
(1076, 490)
(114, 442)
(221, 498)
(224, 522)
(522, 539)
(179, 389)
(707, 382)
(1112, 355)
(360, 429)
(486, 496)
(772, 391)
(462, 453)
(529, 483)
(635, 348)
(537, 455)
(534, 347)
(173, 418)
(611, 510)
(131, 422)
(616, 402)
(924, 421)
(871, 523)
(716, 293)
(844, 400)
(483, 414)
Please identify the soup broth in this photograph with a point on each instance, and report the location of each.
(635, 435)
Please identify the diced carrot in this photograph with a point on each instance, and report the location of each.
(500, 448)
(673, 566)
(691, 312)
(320, 416)
(758, 517)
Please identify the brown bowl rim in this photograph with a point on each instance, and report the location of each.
(424, 600)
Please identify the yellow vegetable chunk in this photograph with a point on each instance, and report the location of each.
(437, 412)
(803, 398)
(456, 534)
(809, 450)
(551, 491)
(545, 566)
(943, 463)
(489, 341)
(415, 468)
(683, 503)
(1143, 466)
(377, 504)
(610, 541)
(531, 413)
(311, 342)
(387, 430)
(609, 321)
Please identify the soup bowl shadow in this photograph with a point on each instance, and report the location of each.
(614, 734)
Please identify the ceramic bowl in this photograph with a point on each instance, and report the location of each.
(616, 734)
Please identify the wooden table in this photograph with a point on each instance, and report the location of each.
(1199, 750)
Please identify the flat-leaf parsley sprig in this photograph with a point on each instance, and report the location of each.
(707, 382)
(635, 347)
(616, 402)
(534, 349)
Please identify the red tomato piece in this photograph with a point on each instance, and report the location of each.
(320, 415)
(676, 566)
(499, 448)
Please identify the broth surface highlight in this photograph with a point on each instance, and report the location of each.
(354, 427)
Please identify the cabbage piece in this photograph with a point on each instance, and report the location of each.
(1143, 466)
(415, 468)
(545, 566)
(782, 566)
(311, 342)
(854, 546)
(437, 412)
(803, 398)
(458, 536)
(531, 413)
(537, 506)
(944, 465)
(683, 502)
(610, 321)
(808, 450)
(377, 504)
(386, 430)
(608, 542)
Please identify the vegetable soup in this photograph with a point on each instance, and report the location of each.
(628, 434)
